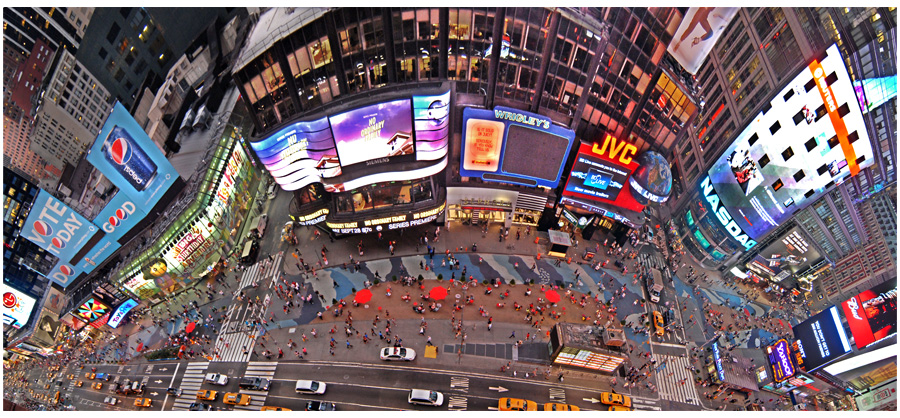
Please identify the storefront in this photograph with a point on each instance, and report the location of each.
(485, 204)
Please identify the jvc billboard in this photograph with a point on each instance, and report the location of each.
(130, 159)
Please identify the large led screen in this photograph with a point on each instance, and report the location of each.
(91, 310)
(513, 146)
(698, 33)
(300, 154)
(821, 339)
(373, 132)
(810, 137)
(601, 171)
(131, 160)
(431, 116)
(789, 255)
(780, 359)
(119, 314)
(872, 315)
(119, 216)
(17, 307)
(56, 228)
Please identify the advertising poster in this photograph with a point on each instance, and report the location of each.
(299, 154)
(131, 160)
(821, 339)
(119, 314)
(878, 398)
(601, 171)
(789, 255)
(56, 228)
(142, 286)
(97, 254)
(70, 321)
(119, 216)
(872, 315)
(46, 330)
(55, 300)
(513, 146)
(698, 32)
(780, 359)
(811, 138)
(373, 132)
(91, 310)
(17, 307)
(64, 273)
(431, 117)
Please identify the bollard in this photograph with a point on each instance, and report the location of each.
(569, 260)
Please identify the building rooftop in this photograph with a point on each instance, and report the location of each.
(274, 25)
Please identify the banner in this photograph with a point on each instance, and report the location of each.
(698, 33)
(56, 227)
(872, 315)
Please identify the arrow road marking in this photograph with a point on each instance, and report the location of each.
(591, 400)
(154, 393)
(157, 381)
(500, 389)
(493, 408)
(164, 369)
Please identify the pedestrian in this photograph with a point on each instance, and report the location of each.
(513, 335)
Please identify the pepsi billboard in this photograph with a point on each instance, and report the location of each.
(63, 273)
(119, 216)
(56, 228)
(97, 254)
(128, 157)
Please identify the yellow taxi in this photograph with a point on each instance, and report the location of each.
(90, 375)
(142, 402)
(207, 395)
(97, 385)
(515, 404)
(237, 399)
(273, 408)
(71, 376)
(658, 323)
(609, 398)
(55, 398)
(560, 407)
(47, 386)
(79, 383)
(618, 408)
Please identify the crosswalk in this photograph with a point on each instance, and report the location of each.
(558, 395)
(264, 272)
(670, 387)
(652, 261)
(257, 398)
(235, 343)
(190, 384)
(641, 404)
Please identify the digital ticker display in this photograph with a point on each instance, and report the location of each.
(809, 138)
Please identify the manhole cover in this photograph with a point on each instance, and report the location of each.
(457, 296)
(346, 376)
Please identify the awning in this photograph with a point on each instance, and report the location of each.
(628, 217)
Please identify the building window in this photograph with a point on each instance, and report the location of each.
(113, 33)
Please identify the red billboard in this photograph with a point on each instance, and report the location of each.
(601, 171)
(872, 315)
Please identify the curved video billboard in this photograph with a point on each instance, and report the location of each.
(809, 138)
(300, 154)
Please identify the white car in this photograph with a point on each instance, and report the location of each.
(110, 400)
(398, 353)
(310, 387)
(425, 397)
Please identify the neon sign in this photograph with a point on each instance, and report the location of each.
(780, 359)
(624, 151)
(724, 217)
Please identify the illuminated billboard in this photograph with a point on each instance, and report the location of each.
(17, 307)
(789, 255)
(56, 228)
(821, 339)
(63, 273)
(571, 356)
(872, 315)
(431, 116)
(513, 146)
(300, 154)
(119, 314)
(873, 92)
(601, 171)
(142, 286)
(131, 160)
(780, 358)
(119, 216)
(809, 138)
(91, 310)
(697, 33)
(46, 330)
(388, 222)
(381, 130)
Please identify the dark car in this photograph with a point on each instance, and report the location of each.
(320, 406)
(254, 383)
(197, 406)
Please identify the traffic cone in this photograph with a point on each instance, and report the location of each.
(536, 240)
(569, 260)
(539, 256)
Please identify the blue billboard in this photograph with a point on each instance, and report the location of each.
(119, 216)
(128, 157)
(56, 228)
(63, 273)
(513, 146)
(119, 314)
(97, 254)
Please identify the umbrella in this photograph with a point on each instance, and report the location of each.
(363, 296)
(190, 327)
(552, 296)
(140, 347)
(438, 293)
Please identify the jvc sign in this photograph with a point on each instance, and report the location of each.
(723, 216)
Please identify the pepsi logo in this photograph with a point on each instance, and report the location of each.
(43, 228)
(66, 270)
(58, 243)
(120, 151)
(118, 216)
(121, 214)
(113, 221)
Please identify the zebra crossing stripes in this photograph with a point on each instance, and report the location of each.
(235, 346)
(263, 272)
(641, 404)
(190, 384)
(257, 398)
(458, 403)
(557, 394)
(461, 384)
(670, 387)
